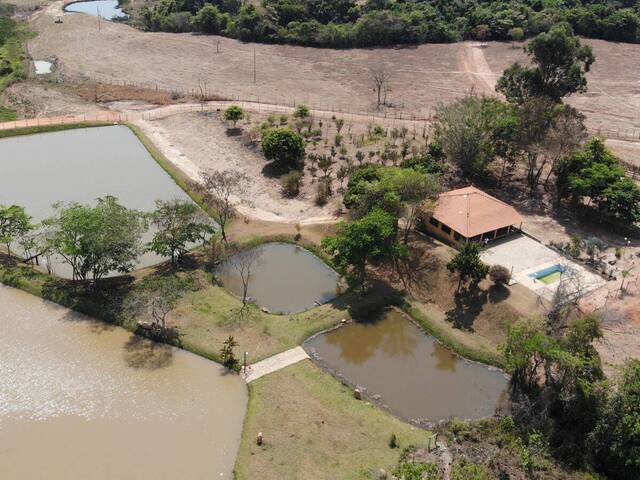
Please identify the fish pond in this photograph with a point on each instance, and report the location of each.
(283, 278)
(81, 165)
(410, 373)
(81, 399)
(107, 9)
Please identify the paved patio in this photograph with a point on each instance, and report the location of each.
(525, 256)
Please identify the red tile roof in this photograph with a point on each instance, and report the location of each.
(470, 212)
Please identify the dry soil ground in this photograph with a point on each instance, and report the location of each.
(422, 76)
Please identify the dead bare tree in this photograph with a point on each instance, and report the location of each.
(565, 302)
(221, 189)
(203, 89)
(380, 78)
(243, 262)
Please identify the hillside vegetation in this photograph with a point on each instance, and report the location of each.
(348, 23)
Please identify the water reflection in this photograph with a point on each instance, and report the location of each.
(361, 341)
(284, 278)
(81, 165)
(414, 375)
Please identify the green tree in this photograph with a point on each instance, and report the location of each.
(14, 224)
(178, 223)
(559, 65)
(283, 146)
(302, 111)
(372, 237)
(227, 357)
(467, 263)
(234, 114)
(208, 20)
(472, 131)
(621, 201)
(96, 240)
(616, 440)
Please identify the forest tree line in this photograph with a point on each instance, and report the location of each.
(347, 23)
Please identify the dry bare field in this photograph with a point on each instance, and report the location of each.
(612, 103)
(422, 75)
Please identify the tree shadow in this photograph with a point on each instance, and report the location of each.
(498, 293)
(233, 131)
(275, 170)
(142, 353)
(469, 303)
(368, 308)
(105, 301)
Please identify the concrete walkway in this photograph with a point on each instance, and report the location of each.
(272, 364)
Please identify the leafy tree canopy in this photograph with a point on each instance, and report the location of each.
(283, 146)
(559, 60)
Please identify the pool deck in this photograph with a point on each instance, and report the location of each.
(274, 363)
(525, 256)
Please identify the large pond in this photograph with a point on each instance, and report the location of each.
(108, 9)
(81, 165)
(283, 278)
(411, 373)
(80, 399)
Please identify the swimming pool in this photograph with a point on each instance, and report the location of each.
(550, 274)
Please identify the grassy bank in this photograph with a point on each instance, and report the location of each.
(16, 132)
(314, 429)
(463, 343)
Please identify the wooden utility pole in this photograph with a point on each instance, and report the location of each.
(254, 64)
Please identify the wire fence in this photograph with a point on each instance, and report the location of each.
(262, 103)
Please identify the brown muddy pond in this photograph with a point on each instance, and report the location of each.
(402, 368)
(80, 399)
(283, 278)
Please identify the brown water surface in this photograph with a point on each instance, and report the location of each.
(80, 399)
(409, 371)
(284, 278)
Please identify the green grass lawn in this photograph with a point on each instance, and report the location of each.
(313, 428)
(205, 318)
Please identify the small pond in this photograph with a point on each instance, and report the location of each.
(81, 165)
(284, 278)
(401, 367)
(107, 9)
(42, 67)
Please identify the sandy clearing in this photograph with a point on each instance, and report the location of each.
(198, 142)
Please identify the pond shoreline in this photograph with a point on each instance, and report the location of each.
(426, 424)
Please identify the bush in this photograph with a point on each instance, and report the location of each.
(323, 192)
(283, 146)
(417, 471)
(499, 275)
(469, 471)
(233, 114)
(291, 183)
(302, 111)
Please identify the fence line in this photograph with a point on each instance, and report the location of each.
(255, 101)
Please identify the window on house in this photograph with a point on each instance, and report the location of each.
(445, 229)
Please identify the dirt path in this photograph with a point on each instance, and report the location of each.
(478, 70)
(275, 363)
